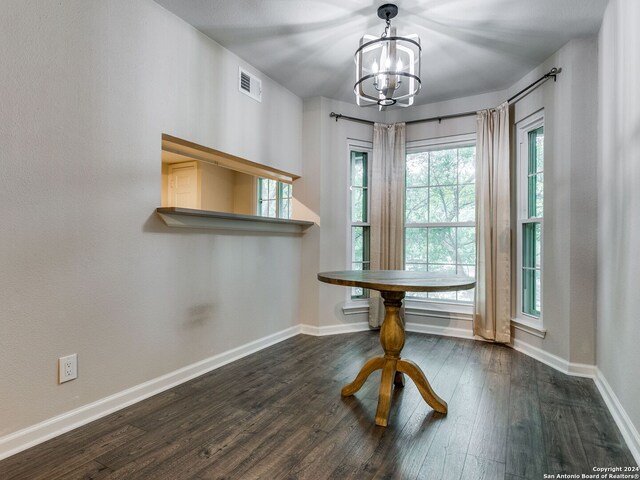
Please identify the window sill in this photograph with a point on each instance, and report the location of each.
(354, 307)
(449, 311)
(531, 327)
(420, 308)
(189, 218)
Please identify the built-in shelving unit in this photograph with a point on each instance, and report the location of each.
(189, 218)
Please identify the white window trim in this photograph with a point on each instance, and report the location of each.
(522, 321)
(422, 307)
(354, 306)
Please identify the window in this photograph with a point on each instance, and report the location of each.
(530, 216)
(440, 212)
(274, 198)
(359, 217)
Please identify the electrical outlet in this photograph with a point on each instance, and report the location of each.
(67, 368)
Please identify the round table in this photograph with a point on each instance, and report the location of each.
(392, 285)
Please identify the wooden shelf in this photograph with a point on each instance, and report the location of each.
(189, 218)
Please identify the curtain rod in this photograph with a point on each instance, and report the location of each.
(553, 73)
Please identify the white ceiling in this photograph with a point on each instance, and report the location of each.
(469, 46)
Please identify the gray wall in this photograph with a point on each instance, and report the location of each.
(570, 205)
(618, 329)
(87, 89)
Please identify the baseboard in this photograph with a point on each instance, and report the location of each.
(438, 330)
(334, 329)
(560, 364)
(628, 430)
(35, 434)
(364, 326)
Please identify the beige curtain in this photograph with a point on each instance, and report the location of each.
(492, 319)
(387, 207)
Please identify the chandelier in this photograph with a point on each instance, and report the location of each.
(387, 67)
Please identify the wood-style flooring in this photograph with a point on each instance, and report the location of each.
(278, 414)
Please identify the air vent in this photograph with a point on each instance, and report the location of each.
(250, 85)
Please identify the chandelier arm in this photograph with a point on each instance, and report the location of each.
(389, 39)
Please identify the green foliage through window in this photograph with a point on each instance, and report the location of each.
(274, 198)
(359, 188)
(532, 225)
(440, 215)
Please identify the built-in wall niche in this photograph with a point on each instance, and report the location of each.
(200, 185)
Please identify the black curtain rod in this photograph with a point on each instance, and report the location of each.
(553, 73)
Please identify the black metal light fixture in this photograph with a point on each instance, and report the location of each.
(387, 67)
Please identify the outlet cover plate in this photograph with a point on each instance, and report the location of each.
(67, 368)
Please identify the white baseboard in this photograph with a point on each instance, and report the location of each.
(35, 434)
(364, 326)
(438, 330)
(628, 430)
(560, 364)
(334, 329)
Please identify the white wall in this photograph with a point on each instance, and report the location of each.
(619, 203)
(570, 203)
(87, 89)
(323, 190)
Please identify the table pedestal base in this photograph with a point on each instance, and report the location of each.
(392, 366)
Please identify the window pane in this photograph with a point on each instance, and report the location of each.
(539, 194)
(531, 287)
(535, 169)
(357, 244)
(417, 205)
(536, 150)
(285, 208)
(538, 291)
(358, 169)
(417, 170)
(442, 246)
(467, 203)
(443, 167)
(271, 208)
(442, 204)
(358, 204)
(416, 267)
(415, 245)
(538, 245)
(466, 245)
(467, 165)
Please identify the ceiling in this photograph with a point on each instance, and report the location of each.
(468, 46)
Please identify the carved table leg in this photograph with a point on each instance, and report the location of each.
(373, 364)
(393, 368)
(392, 341)
(415, 374)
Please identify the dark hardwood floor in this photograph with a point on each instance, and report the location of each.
(278, 414)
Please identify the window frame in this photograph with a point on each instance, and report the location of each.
(523, 128)
(366, 147)
(414, 304)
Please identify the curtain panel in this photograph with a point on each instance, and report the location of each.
(492, 316)
(387, 207)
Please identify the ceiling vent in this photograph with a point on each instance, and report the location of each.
(250, 84)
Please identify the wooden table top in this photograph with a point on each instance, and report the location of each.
(398, 280)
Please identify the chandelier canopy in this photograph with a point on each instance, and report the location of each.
(387, 67)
